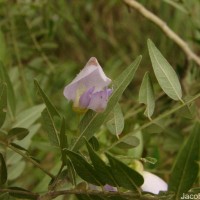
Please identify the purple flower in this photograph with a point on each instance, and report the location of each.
(106, 187)
(110, 188)
(153, 183)
(89, 89)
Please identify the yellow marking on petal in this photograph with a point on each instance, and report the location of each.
(81, 89)
(79, 110)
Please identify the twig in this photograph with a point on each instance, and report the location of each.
(162, 116)
(163, 26)
(126, 195)
(54, 194)
(31, 160)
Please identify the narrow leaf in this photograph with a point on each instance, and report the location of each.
(94, 143)
(29, 116)
(146, 95)
(51, 108)
(18, 147)
(129, 142)
(92, 121)
(3, 170)
(50, 128)
(11, 96)
(71, 171)
(165, 73)
(83, 168)
(3, 50)
(124, 175)
(18, 133)
(22, 193)
(185, 169)
(101, 168)
(116, 125)
(3, 103)
(63, 141)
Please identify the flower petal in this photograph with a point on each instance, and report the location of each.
(92, 75)
(99, 100)
(110, 188)
(153, 183)
(85, 98)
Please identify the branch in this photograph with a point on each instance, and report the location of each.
(32, 161)
(163, 26)
(126, 195)
(162, 116)
(53, 194)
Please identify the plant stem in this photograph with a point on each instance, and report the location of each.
(163, 26)
(154, 120)
(54, 194)
(31, 160)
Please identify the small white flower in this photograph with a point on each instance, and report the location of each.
(89, 89)
(153, 183)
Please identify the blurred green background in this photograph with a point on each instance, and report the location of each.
(52, 40)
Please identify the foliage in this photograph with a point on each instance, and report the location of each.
(47, 150)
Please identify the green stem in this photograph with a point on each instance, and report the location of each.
(31, 160)
(55, 182)
(154, 120)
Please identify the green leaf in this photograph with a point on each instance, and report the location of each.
(83, 168)
(92, 121)
(83, 197)
(22, 193)
(51, 108)
(124, 175)
(18, 147)
(119, 198)
(18, 167)
(97, 197)
(50, 128)
(101, 168)
(3, 170)
(3, 47)
(11, 96)
(129, 142)
(188, 111)
(165, 73)
(3, 103)
(27, 117)
(137, 151)
(185, 169)
(63, 141)
(116, 125)
(94, 143)
(146, 95)
(71, 171)
(18, 133)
